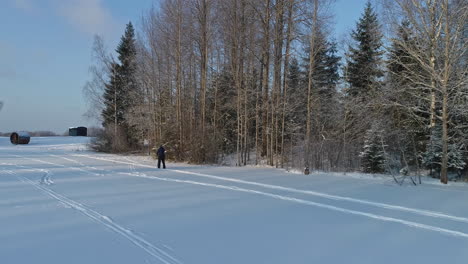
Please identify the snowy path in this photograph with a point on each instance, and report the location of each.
(153, 250)
(221, 215)
(301, 201)
(281, 188)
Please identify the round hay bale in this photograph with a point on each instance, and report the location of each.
(20, 138)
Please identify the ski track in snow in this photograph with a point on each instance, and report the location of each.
(301, 201)
(140, 242)
(134, 173)
(81, 164)
(307, 192)
(56, 164)
(45, 179)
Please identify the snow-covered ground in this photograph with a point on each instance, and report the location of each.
(60, 203)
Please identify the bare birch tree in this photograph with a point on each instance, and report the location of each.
(438, 47)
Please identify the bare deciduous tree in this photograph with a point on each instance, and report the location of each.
(438, 47)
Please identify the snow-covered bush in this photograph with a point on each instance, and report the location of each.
(404, 171)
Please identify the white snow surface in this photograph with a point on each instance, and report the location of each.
(61, 203)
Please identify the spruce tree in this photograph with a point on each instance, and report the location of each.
(226, 110)
(296, 101)
(112, 113)
(329, 79)
(372, 156)
(332, 65)
(294, 75)
(432, 157)
(121, 92)
(400, 62)
(364, 61)
(326, 63)
(404, 92)
(325, 78)
(126, 51)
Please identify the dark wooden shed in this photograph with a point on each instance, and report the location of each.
(20, 138)
(78, 132)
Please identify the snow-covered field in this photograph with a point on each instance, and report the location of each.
(60, 203)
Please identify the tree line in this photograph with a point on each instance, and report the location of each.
(263, 80)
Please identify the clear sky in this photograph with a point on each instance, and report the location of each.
(45, 53)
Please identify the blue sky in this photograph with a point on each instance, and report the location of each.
(45, 53)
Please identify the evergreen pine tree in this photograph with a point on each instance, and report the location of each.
(326, 63)
(127, 73)
(332, 65)
(325, 78)
(432, 157)
(226, 110)
(112, 113)
(121, 93)
(372, 156)
(296, 101)
(294, 74)
(405, 93)
(328, 84)
(127, 70)
(400, 62)
(364, 61)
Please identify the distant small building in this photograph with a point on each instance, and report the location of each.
(78, 132)
(20, 138)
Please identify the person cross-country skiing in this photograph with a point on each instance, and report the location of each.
(161, 153)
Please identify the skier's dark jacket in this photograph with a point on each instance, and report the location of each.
(161, 152)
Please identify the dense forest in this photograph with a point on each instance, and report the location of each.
(265, 81)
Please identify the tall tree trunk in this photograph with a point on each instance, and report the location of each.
(203, 6)
(266, 73)
(275, 98)
(179, 117)
(446, 76)
(115, 114)
(310, 82)
(285, 74)
(241, 84)
(432, 59)
(257, 112)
